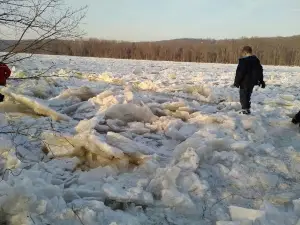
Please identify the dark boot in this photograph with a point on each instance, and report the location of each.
(1, 98)
(296, 118)
(245, 111)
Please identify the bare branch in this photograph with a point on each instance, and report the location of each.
(45, 20)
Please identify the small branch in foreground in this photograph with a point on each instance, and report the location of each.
(38, 77)
(45, 20)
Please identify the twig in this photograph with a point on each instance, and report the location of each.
(47, 20)
(37, 77)
(76, 214)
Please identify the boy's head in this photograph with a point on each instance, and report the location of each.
(247, 50)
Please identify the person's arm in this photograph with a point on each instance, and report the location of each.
(261, 72)
(7, 71)
(261, 76)
(240, 73)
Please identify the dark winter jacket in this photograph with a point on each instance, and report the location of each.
(248, 73)
(4, 74)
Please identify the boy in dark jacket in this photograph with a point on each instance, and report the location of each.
(248, 74)
(4, 74)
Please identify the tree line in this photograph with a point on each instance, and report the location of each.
(271, 51)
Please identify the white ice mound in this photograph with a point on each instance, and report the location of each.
(8, 159)
(193, 142)
(128, 146)
(242, 214)
(138, 71)
(147, 85)
(15, 108)
(133, 194)
(3, 120)
(37, 105)
(88, 125)
(58, 145)
(91, 150)
(130, 113)
(105, 99)
(288, 97)
(83, 93)
(96, 145)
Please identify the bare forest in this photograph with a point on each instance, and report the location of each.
(271, 51)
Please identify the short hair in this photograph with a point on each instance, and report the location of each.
(247, 49)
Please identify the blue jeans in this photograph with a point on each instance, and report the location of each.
(245, 98)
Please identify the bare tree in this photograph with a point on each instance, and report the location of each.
(33, 24)
(271, 51)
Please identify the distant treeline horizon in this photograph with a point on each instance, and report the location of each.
(270, 50)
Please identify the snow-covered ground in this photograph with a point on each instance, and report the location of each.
(107, 141)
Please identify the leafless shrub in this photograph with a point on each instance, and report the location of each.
(43, 21)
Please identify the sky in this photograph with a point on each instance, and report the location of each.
(150, 20)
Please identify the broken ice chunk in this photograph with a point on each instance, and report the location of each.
(240, 214)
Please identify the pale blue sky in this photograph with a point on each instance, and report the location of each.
(139, 20)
